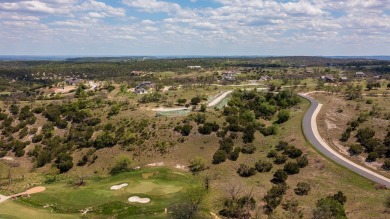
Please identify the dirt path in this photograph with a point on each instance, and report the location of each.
(28, 192)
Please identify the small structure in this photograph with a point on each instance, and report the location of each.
(328, 78)
(73, 81)
(194, 67)
(143, 87)
(229, 76)
(265, 78)
(360, 74)
(137, 73)
(343, 79)
(378, 77)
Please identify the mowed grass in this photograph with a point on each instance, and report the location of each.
(161, 185)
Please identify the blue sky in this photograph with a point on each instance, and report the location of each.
(194, 27)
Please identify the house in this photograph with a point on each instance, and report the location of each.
(378, 77)
(343, 79)
(265, 78)
(229, 76)
(194, 67)
(328, 78)
(73, 81)
(360, 74)
(143, 87)
(140, 91)
(137, 73)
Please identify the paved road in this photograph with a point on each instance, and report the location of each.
(219, 99)
(312, 135)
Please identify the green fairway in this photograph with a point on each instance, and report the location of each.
(161, 185)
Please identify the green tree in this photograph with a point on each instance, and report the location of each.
(280, 176)
(283, 116)
(291, 168)
(329, 208)
(195, 100)
(219, 156)
(122, 164)
(64, 162)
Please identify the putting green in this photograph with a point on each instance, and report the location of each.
(162, 187)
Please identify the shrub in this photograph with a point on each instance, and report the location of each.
(248, 149)
(386, 164)
(246, 171)
(280, 176)
(291, 168)
(280, 159)
(197, 164)
(219, 156)
(122, 164)
(283, 116)
(195, 100)
(292, 152)
(302, 161)
(263, 166)
(355, 149)
(372, 156)
(226, 144)
(329, 208)
(64, 162)
(272, 153)
(302, 188)
(234, 154)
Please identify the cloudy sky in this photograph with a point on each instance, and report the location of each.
(194, 27)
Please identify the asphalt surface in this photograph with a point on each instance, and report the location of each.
(311, 132)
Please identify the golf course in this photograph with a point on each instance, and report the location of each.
(99, 198)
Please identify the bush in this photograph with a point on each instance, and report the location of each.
(270, 130)
(272, 153)
(291, 168)
(280, 176)
(64, 162)
(329, 208)
(122, 164)
(234, 155)
(263, 166)
(283, 116)
(184, 130)
(248, 149)
(197, 164)
(281, 146)
(302, 161)
(226, 144)
(372, 156)
(246, 171)
(292, 152)
(386, 164)
(303, 188)
(219, 156)
(355, 149)
(195, 100)
(280, 159)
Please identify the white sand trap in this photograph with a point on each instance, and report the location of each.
(116, 187)
(139, 200)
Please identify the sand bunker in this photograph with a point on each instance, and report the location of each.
(139, 200)
(116, 187)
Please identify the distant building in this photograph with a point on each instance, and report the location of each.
(360, 74)
(73, 81)
(137, 73)
(343, 79)
(328, 78)
(143, 87)
(229, 76)
(140, 91)
(265, 78)
(194, 67)
(378, 77)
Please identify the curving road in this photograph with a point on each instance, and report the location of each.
(310, 130)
